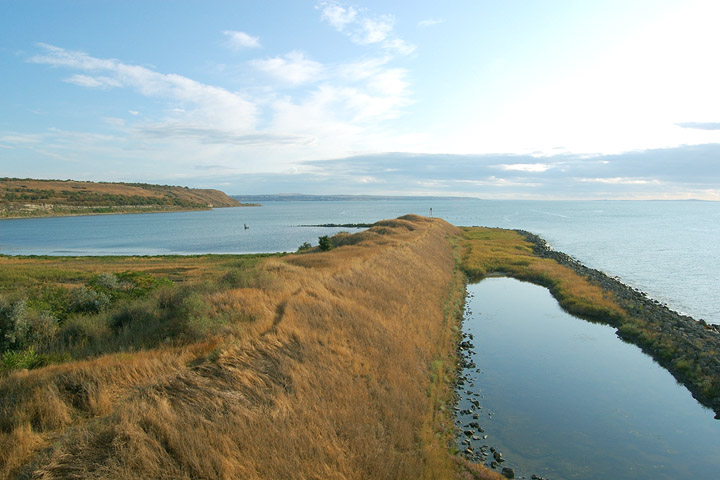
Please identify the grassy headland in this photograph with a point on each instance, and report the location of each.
(334, 362)
(42, 198)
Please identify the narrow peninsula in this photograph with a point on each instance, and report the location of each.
(338, 361)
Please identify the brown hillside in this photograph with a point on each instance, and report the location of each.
(329, 365)
(45, 197)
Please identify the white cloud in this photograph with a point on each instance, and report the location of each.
(526, 167)
(336, 15)
(398, 45)
(344, 111)
(430, 22)
(390, 82)
(376, 76)
(200, 103)
(362, 70)
(20, 139)
(240, 40)
(293, 68)
(363, 28)
(373, 30)
(93, 82)
(621, 181)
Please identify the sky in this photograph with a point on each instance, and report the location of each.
(552, 99)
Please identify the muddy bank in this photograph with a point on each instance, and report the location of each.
(689, 349)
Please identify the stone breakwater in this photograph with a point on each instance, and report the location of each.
(689, 349)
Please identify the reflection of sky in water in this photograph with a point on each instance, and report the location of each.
(571, 400)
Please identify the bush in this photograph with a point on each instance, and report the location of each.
(325, 243)
(85, 332)
(22, 327)
(304, 246)
(84, 300)
(194, 314)
(104, 282)
(23, 359)
(14, 324)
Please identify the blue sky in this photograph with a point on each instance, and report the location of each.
(494, 99)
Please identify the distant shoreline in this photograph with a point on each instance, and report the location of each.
(120, 210)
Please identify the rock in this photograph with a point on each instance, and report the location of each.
(508, 472)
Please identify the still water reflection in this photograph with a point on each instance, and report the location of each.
(563, 398)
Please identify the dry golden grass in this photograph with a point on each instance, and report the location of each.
(498, 251)
(333, 365)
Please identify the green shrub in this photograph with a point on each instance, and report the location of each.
(195, 315)
(12, 360)
(325, 243)
(85, 334)
(85, 300)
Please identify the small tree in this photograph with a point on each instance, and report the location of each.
(325, 243)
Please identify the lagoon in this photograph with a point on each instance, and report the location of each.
(564, 398)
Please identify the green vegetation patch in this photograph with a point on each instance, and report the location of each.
(55, 309)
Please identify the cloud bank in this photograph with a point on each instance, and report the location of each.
(652, 174)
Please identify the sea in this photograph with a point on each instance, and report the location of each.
(668, 249)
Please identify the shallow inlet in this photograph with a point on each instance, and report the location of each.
(563, 398)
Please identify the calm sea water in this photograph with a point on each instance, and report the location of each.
(669, 249)
(564, 399)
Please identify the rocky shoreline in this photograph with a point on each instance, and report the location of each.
(689, 349)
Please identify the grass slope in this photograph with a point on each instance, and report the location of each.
(29, 197)
(335, 364)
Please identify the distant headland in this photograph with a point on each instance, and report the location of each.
(25, 197)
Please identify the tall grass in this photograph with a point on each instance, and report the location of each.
(332, 364)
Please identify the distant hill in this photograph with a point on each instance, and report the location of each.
(31, 197)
